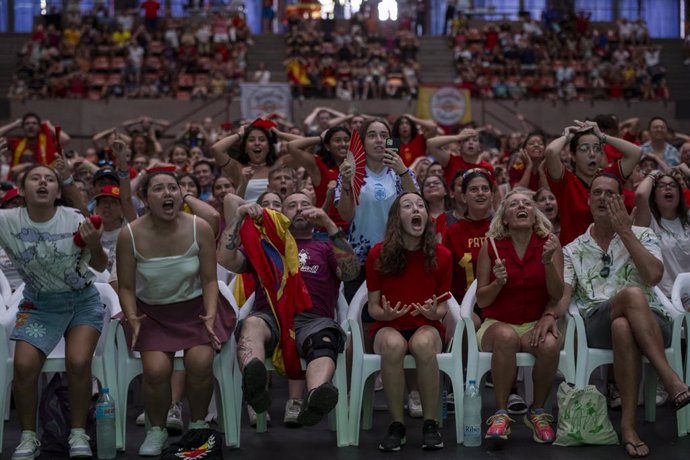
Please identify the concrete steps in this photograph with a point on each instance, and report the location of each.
(10, 45)
(269, 49)
(435, 60)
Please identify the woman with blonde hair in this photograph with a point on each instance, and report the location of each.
(519, 282)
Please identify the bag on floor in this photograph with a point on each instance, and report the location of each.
(54, 417)
(583, 417)
(203, 444)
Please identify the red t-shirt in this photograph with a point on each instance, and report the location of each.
(464, 239)
(414, 149)
(572, 195)
(516, 172)
(440, 223)
(327, 175)
(524, 297)
(686, 194)
(150, 8)
(413, 285)
(457, 163)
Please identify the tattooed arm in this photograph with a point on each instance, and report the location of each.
(346, 259)
(229, 255)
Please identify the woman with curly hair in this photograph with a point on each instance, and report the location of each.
(519, 282)
(407, 276)
(324, 167)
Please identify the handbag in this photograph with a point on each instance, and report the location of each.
(583, 417)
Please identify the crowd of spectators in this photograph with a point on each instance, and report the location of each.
(565, 59)
(97, 57)
(359, 61)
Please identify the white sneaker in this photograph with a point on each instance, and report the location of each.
(252, 417)
(414, 404)
(198, 425)
(29, 447)
(79, 444)
(661, 394)
(174, 420)
(292, 408)
(153, 445)
(516, 405)
(141, 419)
(450, 403)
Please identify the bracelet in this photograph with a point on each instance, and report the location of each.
(407, 171)
(603, 139)
(225, 164)
(547, 262)
(184, 197)
(339, 234)
(122, 174)
(551, 314)
(68, 181)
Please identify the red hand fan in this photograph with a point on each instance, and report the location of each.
(358, 156)
(96, 221)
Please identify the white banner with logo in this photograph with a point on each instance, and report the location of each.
(260, 99)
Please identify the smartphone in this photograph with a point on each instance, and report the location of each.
(393, 143)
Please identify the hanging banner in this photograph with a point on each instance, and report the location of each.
(447, 105)
(260, 99)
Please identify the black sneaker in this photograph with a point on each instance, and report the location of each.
(431, 437)
(254, 380)
(395, 438)
(320, 401)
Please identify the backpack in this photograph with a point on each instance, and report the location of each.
(54, 416)
(204, 443)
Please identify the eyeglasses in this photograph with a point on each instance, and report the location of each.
(606, 269)
(584, 148)
(667, 185)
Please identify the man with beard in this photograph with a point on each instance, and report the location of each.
(319, 339)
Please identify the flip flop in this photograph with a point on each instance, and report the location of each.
(635, 449)
(679, 402)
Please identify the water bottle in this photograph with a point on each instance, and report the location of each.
(105, 426)
(472, 418)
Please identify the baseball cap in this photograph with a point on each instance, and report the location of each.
(104, 173)
(109, 190)
(10, 195)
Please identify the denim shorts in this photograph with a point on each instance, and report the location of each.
(44, 317)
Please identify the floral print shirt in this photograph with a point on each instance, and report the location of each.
(597, 276)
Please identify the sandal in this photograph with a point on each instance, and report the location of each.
(635, 453)
(681, 399)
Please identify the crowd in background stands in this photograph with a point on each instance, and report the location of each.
(567, 60)
(357, 61)
(97, 57)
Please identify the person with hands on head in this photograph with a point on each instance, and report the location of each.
(527, 170)
(318, 337)
(519, 282)
(166, 265)
(571, 188)
(413, 142)
(467, 157)
(385, 177)
(610, 273)
(661, 206)
(408, 274)
(59, 299)
(257, 156)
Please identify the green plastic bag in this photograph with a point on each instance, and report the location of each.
(583, 417)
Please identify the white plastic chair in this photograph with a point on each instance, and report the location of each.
(55, 362)
(129, 366)
(680, 291)
(339, 377)
(365, 365)
(479, 362)
(5, 289)
(588, 359)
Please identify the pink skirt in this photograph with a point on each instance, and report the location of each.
(177, 326)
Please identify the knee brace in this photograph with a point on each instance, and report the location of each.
(323, 343)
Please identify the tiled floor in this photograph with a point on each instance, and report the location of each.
(317, 443)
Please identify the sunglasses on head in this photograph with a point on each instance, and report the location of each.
(606, 269)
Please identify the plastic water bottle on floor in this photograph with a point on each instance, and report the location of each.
(472, 418)
(105, 426)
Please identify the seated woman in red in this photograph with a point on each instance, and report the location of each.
(406, 275)
(519, 282)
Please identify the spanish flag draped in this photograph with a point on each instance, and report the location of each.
(45, 146)
(244, 287)
(272, 251)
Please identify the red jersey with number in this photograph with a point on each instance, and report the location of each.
(572, 195)
(413, 285)
(464, 239)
